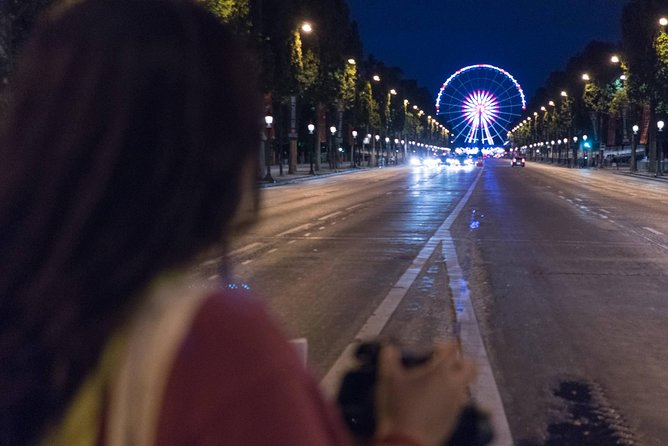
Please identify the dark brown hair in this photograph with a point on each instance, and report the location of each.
(120, 158)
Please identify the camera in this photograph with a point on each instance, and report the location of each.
(356, 400)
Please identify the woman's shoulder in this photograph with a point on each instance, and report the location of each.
(236, 377)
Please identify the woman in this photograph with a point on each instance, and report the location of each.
(129, 149)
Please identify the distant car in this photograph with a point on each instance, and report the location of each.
(517, 160)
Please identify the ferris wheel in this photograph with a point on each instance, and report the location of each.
(480, 103)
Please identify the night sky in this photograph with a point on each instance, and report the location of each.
(431, 39)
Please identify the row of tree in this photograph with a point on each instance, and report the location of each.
(604, 91)
(318, 75)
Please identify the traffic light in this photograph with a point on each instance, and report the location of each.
(586, 155)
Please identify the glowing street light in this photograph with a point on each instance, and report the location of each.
(332, 151)
(663, 21)
(614, 59)
(352, 61)
(376, 78)
(306, 27)
(564, 94)
(551, 103)
(659, 125)
(311, 128)
(634, 144)
(268, 120)
(352, 152)
(585, 77)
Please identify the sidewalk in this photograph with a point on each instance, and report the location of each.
(622, 170)
(302, 173)
(625, 170)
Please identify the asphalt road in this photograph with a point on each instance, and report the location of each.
(566, 267)
(568, 273)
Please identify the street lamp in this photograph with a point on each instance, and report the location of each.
(634, 145)
(352, 151)
(659, 148)
(306, 27)
(268, 120)
(332, 151)
(663, 21)
(585, 77)
(311, 128)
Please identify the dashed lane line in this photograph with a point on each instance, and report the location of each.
(296, 229)
(245, 248)
(653, 231)
(327, 217)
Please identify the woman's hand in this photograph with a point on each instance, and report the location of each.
(423, 402)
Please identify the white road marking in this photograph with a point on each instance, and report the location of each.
(334, 214)
(291, 242)
(307, 234)
(653, 231)
(214, 277)
(484, 390)
(246, 248)
(578, 199)
(321, 228)
(353, 207)
(272, 250)
(246, 262)
(298, 228)
(604, 210)
(211, 262)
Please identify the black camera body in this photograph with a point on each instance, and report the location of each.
(356, 400)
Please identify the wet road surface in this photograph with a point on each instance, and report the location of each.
(566, 269)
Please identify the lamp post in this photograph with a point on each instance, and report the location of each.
(585, 146)
(311, 128)
(634, 145)
(352, 150)
(659, 147)
(332, 151)
(376, 151)
(268, 120)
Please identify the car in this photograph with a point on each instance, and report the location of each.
(517, 160)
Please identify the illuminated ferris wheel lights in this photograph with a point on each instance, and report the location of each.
(479, 102)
